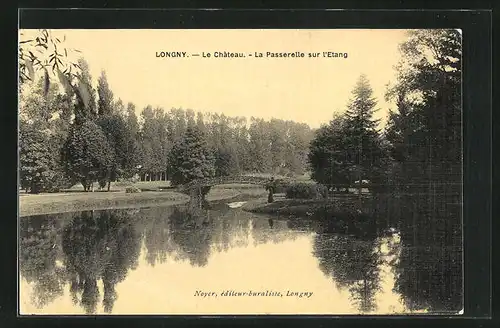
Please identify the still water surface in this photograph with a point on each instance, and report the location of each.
(166, 260)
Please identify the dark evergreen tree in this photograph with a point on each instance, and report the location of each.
(364, 149)
(191, 158)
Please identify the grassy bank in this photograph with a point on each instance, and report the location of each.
(75, 200)
(344, 215)
(289, 208)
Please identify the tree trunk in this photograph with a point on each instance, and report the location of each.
(109, 185)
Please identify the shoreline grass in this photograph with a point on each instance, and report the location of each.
(306, 208)
(118, 199)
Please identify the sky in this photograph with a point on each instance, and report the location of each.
(308, 90)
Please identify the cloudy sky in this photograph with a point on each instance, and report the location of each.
(306, 90)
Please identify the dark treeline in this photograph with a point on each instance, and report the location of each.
(64, 141)
(238, 145)
(85, 134)
(413, 165)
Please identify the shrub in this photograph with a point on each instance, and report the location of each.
(132, 190)
(279, 185)
(301, 190)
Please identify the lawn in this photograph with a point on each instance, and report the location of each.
(75, 199)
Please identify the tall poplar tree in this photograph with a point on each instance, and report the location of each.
(105, 103)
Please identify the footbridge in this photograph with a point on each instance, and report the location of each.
(241, 179)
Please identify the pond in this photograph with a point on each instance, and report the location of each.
(170, 260)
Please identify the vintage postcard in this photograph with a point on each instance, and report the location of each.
(240, 171)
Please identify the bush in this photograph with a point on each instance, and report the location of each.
(132, 189)
(301, 190)
(280, 186)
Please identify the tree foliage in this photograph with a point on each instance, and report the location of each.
(191, 158)
(327, 154)
(105, 104)
(46, 53)
(349, 148)
(39, 168)
(88, 155)
(43, 127)
(121, 140)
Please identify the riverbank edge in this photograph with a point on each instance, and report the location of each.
(285, 209)
(280, 209)
(50, 205)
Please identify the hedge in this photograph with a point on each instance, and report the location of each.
(301, 190)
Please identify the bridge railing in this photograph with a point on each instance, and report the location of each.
(226, 180)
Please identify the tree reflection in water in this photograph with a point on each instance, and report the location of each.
(429, 269)
(353, 264)
(157, 235)
(192, 233)
(99, 245)
(230, 228)
(39, 256)
(105, 245)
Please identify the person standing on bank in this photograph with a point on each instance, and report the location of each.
(270, 187)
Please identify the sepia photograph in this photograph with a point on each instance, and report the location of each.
(240, 172)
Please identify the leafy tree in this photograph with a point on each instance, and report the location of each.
(426, 128)
(327, 154)
(277, 143)
(190, 158)
(105, 102)
(425, 138)
(225, 162)
(85, 111)
(155, 141)
(88, 155)
(190, 117)
(259, 145)
(121, 140)
(39, 170)
(43, 127)
(132, 122)
(200, 123)
(298, 139)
